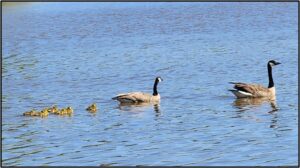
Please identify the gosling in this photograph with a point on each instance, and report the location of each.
(92, 108)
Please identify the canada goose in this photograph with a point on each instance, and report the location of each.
(140, 97)
(244, 90)
(92, 108)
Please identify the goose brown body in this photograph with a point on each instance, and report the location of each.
(137, 97)
(244, 90)
(140, 97)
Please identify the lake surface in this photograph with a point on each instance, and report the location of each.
(74, 54)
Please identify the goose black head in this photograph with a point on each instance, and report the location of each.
(273, 63)
(158, 79)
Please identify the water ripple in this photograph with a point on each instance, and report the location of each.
(74, 58)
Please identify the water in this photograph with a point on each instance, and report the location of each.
(74, 54)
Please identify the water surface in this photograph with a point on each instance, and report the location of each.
(74, 54)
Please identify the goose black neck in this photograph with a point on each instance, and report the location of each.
(271, 82)
(155, 88)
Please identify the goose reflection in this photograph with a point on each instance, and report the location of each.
(140, 107)
(246, 103)
(274, 123)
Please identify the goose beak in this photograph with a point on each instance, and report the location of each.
(277, 63)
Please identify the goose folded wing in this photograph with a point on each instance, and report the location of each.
(126, 97)
(141, 97)
(254, 89)
(134, 97)
(244, 87)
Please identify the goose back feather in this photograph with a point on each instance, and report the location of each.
(136, 97)
(252, 90)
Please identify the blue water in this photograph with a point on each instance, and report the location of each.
(74, 54)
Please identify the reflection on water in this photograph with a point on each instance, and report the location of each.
(73, 58)
(245, 103)
(139, 107)
(274, 120)
(157, 110)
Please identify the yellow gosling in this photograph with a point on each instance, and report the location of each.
(29, 113)
(69, 110)
(62, 112)
(92, 108)
(53, 109)
(47, 108)
(36, 114)
(44, 113)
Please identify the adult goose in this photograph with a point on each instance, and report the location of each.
(140, 97)
(244, 90)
